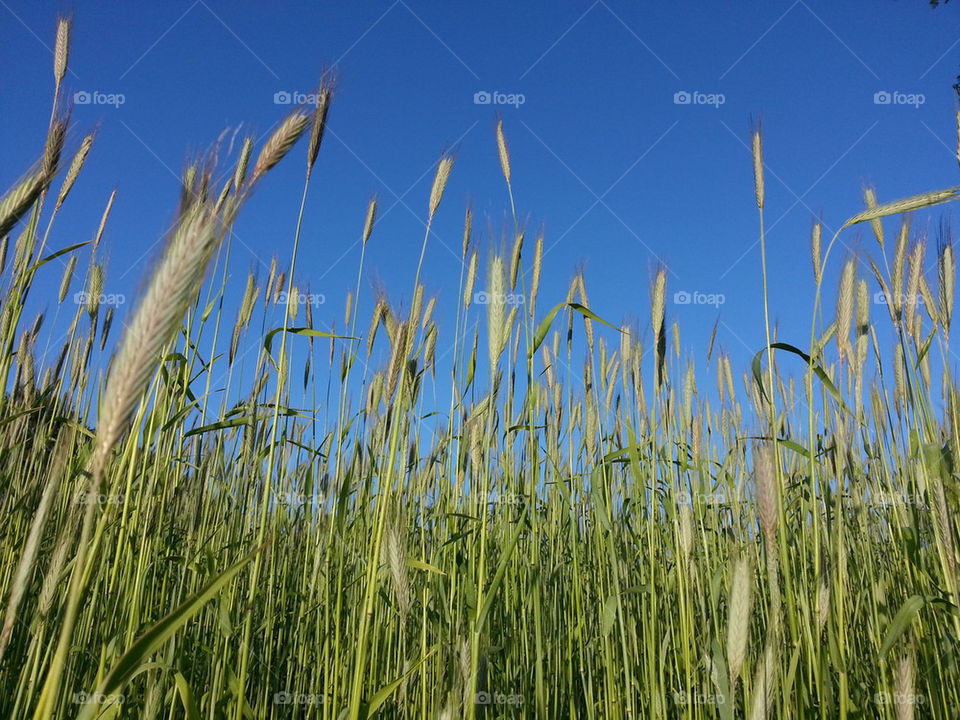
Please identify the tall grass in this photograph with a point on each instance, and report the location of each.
(609, 542)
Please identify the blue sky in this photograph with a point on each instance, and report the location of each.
(620, 173)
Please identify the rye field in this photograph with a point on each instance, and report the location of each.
(565, 518)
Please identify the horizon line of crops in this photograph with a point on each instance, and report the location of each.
(609, 541)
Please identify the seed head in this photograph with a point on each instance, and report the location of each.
(537, 268)
(371, 218)
(504, 153)
(870, 198)
(815, 241)
(845, 307)
(61, 52)
(440, 183)
(757, 149)
(738, 617)
(947, 271)
(76, 165)
(318, 125)
(767, 495)
(280, 143)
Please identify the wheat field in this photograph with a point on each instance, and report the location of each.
(582, 526)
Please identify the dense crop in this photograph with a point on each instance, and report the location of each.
(610, 541)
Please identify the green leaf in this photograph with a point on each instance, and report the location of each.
(420, 565)
(720, 676)
(244, 420)
(20, 414)
(79, 427)
(186, 697)
(208, 309)
(179, 415)
(544, 327)
(223, 424)
(609, 615)
(926, 347)
(817, 369)
(498, 576)
(796, 447)
(524, 426)
(308, 332)
(57, 254)
(161, 631)
(385, 692)
(617, 454)
(789, 444)
(901, 621)
(586, 312)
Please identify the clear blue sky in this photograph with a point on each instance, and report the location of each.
(620, 176)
